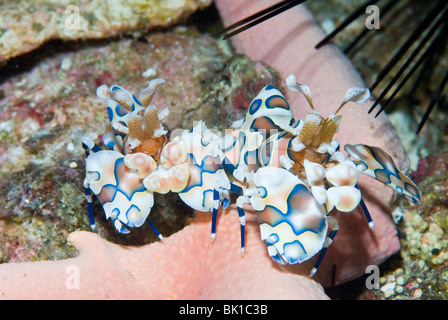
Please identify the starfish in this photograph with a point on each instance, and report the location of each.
(186, 265)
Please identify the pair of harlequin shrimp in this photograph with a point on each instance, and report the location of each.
(290, 172)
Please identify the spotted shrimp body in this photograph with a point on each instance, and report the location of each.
(136, 135)
(294, 228)
(267, 115)
(120, 189)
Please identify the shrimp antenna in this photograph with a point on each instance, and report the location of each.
(357, 95)
(293, 85)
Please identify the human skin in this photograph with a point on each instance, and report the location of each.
(186, 265)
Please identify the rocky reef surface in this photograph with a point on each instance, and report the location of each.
(26, 26)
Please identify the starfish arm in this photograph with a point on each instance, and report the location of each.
(184, 266)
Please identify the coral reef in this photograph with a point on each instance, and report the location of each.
(420, 271)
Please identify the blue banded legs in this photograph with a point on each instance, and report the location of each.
(218, 198)
(89, 147)
(88, 194)
(334, 229)
(366, 213)
(154, 229)
(239, 205)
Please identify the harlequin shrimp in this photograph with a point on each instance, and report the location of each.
(289, 171)
(136, 136)
(307, 150)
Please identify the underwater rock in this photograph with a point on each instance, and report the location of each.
(46, 110)
(424, 232)
(420, 270)
(40, 208)
(26, 26)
